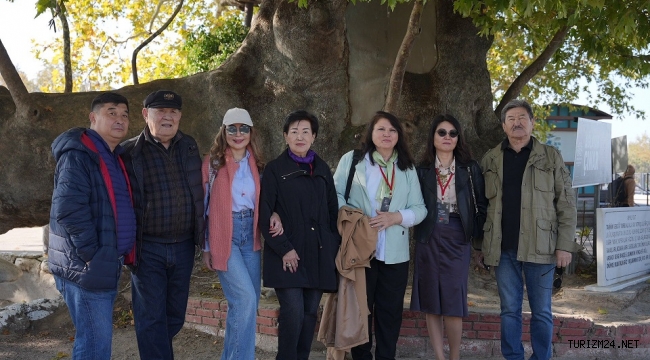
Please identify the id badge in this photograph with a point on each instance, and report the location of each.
(385, 204)
(443, 212)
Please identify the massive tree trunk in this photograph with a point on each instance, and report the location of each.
(333, 59)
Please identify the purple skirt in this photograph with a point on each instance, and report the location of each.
(441, 270)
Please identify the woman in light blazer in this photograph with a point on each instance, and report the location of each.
(386, 187)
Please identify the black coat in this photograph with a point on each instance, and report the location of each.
(472, 222)
(192, 163)
(308, 207)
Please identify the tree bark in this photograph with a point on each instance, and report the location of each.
(533, 69)
(134, 58)
(67, 60)
(403, 54)
(15, 84)
(317, 59)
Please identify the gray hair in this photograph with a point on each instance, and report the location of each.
(515, 104)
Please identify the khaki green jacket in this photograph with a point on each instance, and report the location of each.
(548, 207)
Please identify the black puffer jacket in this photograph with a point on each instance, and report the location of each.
(83, 238)
(472, 223)
(308, 208)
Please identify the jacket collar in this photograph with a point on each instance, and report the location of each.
(506, 143)
(286, 165)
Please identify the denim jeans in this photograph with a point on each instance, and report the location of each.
(241, 284)
(160, 287)
(92, 315)
(297, 322)
(539, 286)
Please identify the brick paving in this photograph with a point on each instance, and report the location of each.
(574, 338)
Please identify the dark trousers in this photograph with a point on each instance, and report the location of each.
(385, 286)
(297, 322)
(161, 284)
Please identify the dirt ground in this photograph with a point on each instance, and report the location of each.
(52, 337)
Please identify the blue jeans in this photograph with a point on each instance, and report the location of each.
(160, 287)
(297, 322)
(539, 286)
(241, 284)
(92, 315)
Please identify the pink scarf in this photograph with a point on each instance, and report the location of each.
(220, 216)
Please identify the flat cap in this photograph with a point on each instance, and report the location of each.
(163, 99)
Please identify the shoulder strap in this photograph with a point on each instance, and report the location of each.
(212, 176)
(356, 156)
(471, 184)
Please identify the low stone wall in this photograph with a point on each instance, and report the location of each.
(573, 337)
(27, 290)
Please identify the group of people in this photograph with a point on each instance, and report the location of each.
(150, 201)
(138, 203)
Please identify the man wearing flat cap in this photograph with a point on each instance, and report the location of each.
(164, 167)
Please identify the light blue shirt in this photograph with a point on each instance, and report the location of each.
(243, 186)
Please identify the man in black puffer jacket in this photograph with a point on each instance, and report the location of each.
(92, 222)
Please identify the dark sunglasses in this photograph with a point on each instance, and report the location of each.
(442, 133)
(243, 129)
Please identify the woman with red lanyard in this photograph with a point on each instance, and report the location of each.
(386, 188)
(452, 186)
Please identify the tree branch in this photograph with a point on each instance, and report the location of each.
(101, 51)
(249, 14)
(67, 60)
(15, 84)
(134, 64)
(399, 68)
(533, 69)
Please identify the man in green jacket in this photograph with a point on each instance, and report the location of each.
(530, 228)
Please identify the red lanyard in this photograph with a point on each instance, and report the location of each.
(443, 188)
(392, 180)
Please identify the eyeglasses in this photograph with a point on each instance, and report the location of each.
(442, 133)
(243, 129)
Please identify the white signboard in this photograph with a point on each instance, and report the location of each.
(623, 244)
(619, 154)
(565, 141)
(593, 157)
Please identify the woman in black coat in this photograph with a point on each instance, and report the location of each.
(299, 264)
(453, 191)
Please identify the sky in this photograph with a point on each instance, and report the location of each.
(18, 27)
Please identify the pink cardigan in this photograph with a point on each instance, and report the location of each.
(220, 217)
